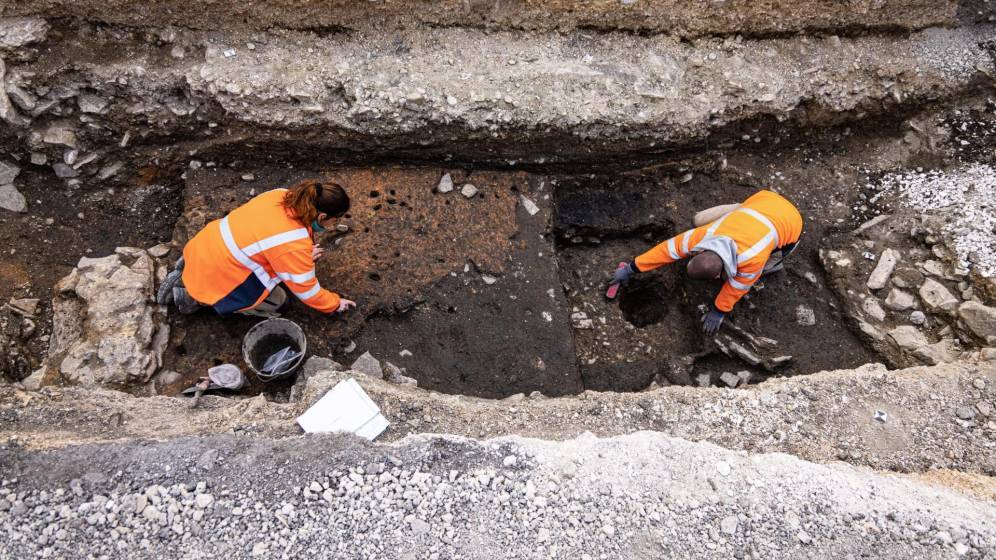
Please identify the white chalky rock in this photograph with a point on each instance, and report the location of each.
(469, 191)
(445, 184)
(883, 270)
(529, 205)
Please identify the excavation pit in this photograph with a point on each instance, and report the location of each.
(502, 292)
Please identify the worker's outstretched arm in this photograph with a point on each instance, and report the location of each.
(297, 270)
(672, 250)
(735, 288)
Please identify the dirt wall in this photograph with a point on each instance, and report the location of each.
(676, 17)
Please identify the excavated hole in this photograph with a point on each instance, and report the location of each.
(477, 296)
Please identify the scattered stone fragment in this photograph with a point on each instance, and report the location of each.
(92, 104)
(38, 158)
(161, 250)
(804, 315)
(509, 460)
(965, 413)
(445, 184)
(488, 279)
(937, 297)
(918, 318)
(529, 205)
(908, 338)
(729, 524)
(64, 171)
(872, 308)
(60, 134)
(348, 349)
(469, 191)
(883, 270)
(8, 172)
(24, 99)
(984, 408)
(731, 379)
(12, 199)
(248, 177)
(723, 468)
(933, 268)
(25, 306)
(899, 300)
(368, 365)
(881, 416)
(109, 170)
(396, 375)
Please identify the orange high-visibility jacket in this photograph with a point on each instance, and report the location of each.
(744, 239)
(233, 263)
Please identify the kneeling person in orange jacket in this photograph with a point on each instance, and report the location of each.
(739, 241)
(235, 264)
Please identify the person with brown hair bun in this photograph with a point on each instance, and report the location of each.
(237, 263)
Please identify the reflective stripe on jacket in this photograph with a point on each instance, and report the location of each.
(234, 263)
(744, 239)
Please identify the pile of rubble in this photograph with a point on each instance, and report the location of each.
(914, 305)
(106, 328)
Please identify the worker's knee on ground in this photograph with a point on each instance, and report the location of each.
(705, 266)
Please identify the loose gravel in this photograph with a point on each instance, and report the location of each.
(639, 496)
(966, 197)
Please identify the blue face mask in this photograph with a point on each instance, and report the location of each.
(317, 227)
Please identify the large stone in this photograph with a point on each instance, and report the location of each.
(106, 328)
(980, 319)
(899, 300)
(369, 365)
(943, 351)
(12, 199)
(17, 32)
(883, 270)
(937, 297)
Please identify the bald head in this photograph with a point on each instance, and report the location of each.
(705, 266)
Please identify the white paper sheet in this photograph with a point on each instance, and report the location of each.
(345, 408)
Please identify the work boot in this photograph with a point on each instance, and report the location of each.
(184, 302)
(165, 294)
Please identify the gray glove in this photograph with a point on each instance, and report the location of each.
(623, 273)
(712, 320)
